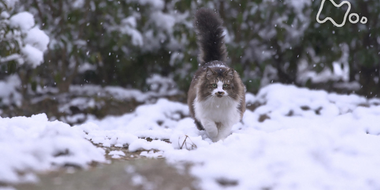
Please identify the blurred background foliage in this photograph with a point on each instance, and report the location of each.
(122, 43)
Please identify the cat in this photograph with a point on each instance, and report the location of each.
(216, 97)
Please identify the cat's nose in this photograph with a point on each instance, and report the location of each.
(219, 93)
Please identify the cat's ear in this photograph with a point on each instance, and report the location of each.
(229, 74)
(209, 73)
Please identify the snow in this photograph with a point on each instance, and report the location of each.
(30, 144)
(157, 4)
(32, 55)
(152, 154)
(4, 15)
(37, 38)
(78, 4)
(32, 41)
(129, 27)
(164, 21)
(116, 154)
(295, 139)
(160, 86)
(22, 20)
(9, 93)
(310, 140)
(336, 74)
(86, 67)
(110, 91)
(8, 3)
(298, 5)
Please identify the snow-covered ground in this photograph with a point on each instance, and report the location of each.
(36, 144)
(296, 139)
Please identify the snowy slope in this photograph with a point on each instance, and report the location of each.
(295, 139)
(36, 144)
(307, 140)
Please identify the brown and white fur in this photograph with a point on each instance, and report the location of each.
(216, 96)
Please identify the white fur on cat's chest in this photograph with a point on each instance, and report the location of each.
(224, 110)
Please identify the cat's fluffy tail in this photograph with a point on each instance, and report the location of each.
(210, 36)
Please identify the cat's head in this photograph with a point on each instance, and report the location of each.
(219, 81)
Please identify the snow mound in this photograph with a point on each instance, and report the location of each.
(32, 55)
(37, 38)
(156, 121)
(29, 144)
(295, 139)
(32, 41)
(22, 20)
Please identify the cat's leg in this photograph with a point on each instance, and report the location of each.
(224, 131)
(211, 129)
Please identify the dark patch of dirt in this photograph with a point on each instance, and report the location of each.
(227, 182)
(129, 172)
(253, 106)
(133, 174)
(263, 117)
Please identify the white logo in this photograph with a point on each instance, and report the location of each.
(350, 17)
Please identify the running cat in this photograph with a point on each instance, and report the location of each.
(216, 96)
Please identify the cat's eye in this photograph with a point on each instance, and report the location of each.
(214, 85)
(225, 85)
